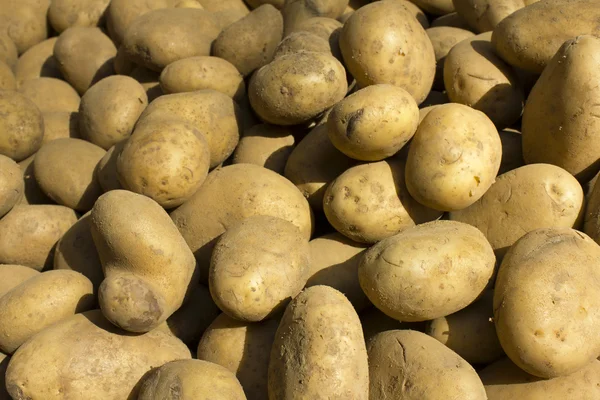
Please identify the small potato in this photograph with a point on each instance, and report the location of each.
(435, 7)
(295, 12)
(110, 109)
(249, 43)
(528, 198)
(370, 202)
(40, 302)
(296, 88)
(38, 62)
(512, 150)
(84, 56)
(60, 125)
(7, 77)
(244, 348)
(296, 42)
(12, 276)
(319, 349)
(547, 312)
(195, 315)
(453, 20)
(65, 171)
(24, 21)
(453, 158)
(373, 123)
(32, 194)
(410, 365)
(265, 145)
(443, 39)
(203, 72)
(328, 29)
(51, 94)
(166, 160)
(107, 168)
(257, 266)
(191, 380)
(8, 50)
(11, 184)
(64, 14)
(374, 322)
(21, 127)
(419, 273)
(149, 81)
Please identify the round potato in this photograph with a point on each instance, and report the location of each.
(7, 77)
(11, 184)
(51, 94)
(32, 194)
(12, 276)
(64, 14)
(107, 168)
(24, 21)
(38, 62)
(443, 39)
(21, 127)
(60, 125)
(8, 50)
(265, 145)
(419, 273)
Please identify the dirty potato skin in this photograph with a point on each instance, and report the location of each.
(77, 346)
(22, 128)
(7, 77)
(312, 358)
(11, 184)
(12, 276)
(296, 42)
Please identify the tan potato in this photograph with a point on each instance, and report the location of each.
(238, 6)
(435, 7)
(149, 81)
(443, 39)
(232, 194)
(84, 56)
(423, 112)
(166, 160)
(528, 198)
(452, 20)
(328, 29)
(373, 322)
(191, 380)
(24, 21)
(110, 109)
(77, 347)
(417, 12)
(65, 171)
(189, 4)
(295, 12)
(21, 127)
(8, 50)
(249, 43)
(32, 193)
(563, 108)
(265, 145)
(419, 273)
(121, 13)
(12, 276)
(592, 211)
(301, 41)
(39, 302)
(51, 94)
(512, 150)
(485, 15)
(405, 58)
(319, 349)
(107, 168)
(7, 77)
(64, 14)
(60, 125)
(453, 158)
(203, 72)
(413, 366)
(38, 62)
(244, 348)
(148, 267)
(11, 184)
(547, 312)
(373, 123)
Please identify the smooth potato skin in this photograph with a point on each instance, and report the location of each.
(435, 7)
(265, 145)
(22, 128)
(7, 77)
(13, 275)
(443, 38)
(24, 21)
(64, 14)
(51, 94)
(60, 125)
(485, 15)
(38, 62)
(11, 185)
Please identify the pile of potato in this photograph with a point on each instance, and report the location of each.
(299, 199)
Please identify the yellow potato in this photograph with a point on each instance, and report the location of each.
(64, 14)
(485, 15)
(121, 14)
(265, 145)
(24, 21)
(51, 94)
(11, 185)
(12, 276)
(443, 39)
(7, 77)
(60, 125)
(21, 127)
(38, 62)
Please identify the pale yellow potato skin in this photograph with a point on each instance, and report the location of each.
(328, 29)
(555, 130)
(11, 184)
(107, 168)
(244, 348)
(121, 14)
(12, 276)
(485, 15)
(296, 42)
(377, 48)
(148, 267)
(453, 20)
(24, 21)
(522, 200)
(410, 365)
(295, 12)
(265, 145)
(38, 62)
(443, 39)
(8, 50)
(32, 193)
(319, 350)
(64, 14)
(453, 158)
(420, 273)
(504, 380)
(7, 77)
(51, 94)
(77, 347)
(21, 127)
(435, 7)
(60, 125)
(547, 312)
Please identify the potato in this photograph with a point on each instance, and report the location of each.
(296, 88)
(203, 72)
(435, 7)
(297, 42)
(189, 4)
(522, 200)
(51, 94)
(24, 21)
(8, 50)
(149, 81)
(4, 359)
(265, 145)
(319, 349)
(512, 150)
(504, 380)
(554, 129)
(38, 62)
(32, 193)
(121, 13)
(373, 123)
(453, 158)
(328, 29)
(40, 302)
(485, 15)
(453, 20)
(110, 109)
(92, 359)
(7, 78)
(419, 273)
(12, 276)
(413, 366)
(122, 64)
(190, 33)
(148, 267)
(406, 58)
(249, 43)
(22, 126)
(529, 37)
(107, 168)
(11, 185)
(443, 39)
(546, 311)
(296, 12)
(212, 113)
(84, 56)
(166, 160)
(60, 125)
(65, 171)
(243, 348)
(592, 211)
(191, 380)
(374, 322)
(64, 14)
(475, 76)
(416, 12)
(232, 194)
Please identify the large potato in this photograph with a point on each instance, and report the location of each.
(24, 21)
(51, 94)
(64, 14)
(546, 311)
(38, 62)
(428, 271)
(60, 125)
(265, 145)
(485, 15)
(11, 184)
(21, 127)
(443, 39)
(12, 276)
(319, 349)
(382, 42)
(92, 359)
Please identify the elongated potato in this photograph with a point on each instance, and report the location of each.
(11, 185)
(12, 276)
(38, 62)
(21, 128)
